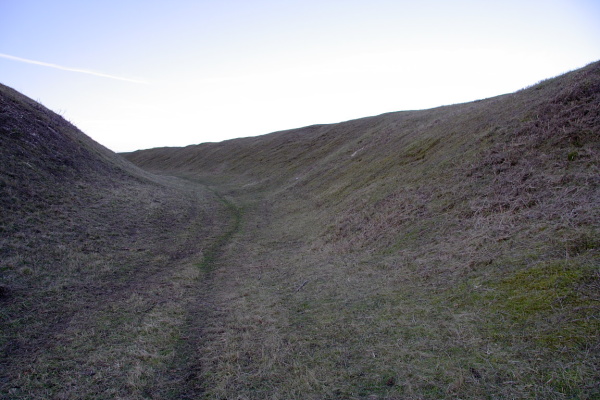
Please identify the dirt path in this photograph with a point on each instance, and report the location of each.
(185, 375)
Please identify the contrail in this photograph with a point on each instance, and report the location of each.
(82, 71)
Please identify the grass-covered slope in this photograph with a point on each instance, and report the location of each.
(451, 252)
(97, 262)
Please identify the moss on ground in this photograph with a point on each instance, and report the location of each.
(551, 303)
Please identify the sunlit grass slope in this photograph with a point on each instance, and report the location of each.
(450, 252)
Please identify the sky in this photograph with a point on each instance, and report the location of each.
(136, 74)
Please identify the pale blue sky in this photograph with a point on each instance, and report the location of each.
(137, 74)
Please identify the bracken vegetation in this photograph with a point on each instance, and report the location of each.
(443, 253)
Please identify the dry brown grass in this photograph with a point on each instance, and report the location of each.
(446, 253)
(98, 263)
(104, 314)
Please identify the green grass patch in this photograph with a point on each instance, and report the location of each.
(550, 301)
(211, 254)
(418, 149)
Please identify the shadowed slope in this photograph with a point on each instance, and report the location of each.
(40, 150)
(450, 252)
(97, 262)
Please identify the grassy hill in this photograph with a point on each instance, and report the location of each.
(450, 252)
(443, 253)
(97, 262)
